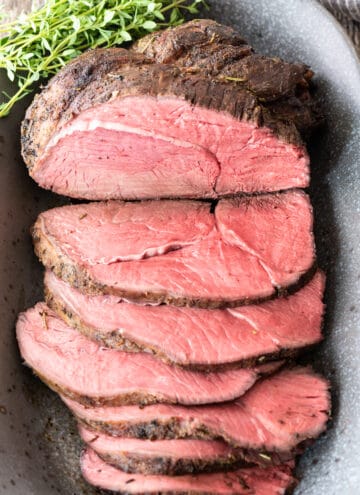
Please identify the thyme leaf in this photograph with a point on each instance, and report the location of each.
(37, 45)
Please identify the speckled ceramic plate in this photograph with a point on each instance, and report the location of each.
(38, 444)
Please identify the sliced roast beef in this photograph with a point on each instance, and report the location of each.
(114, 125)
(193, 337)
(248, 250)
(94, 375)
(245, 481)
(175, 456)
(170, 457)
(276, 415)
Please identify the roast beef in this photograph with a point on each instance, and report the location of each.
(81, 369)
(275, 415)
(207, 46)
(176, 456)
(179, 252)
(113, 125)
(193, 337)
(171, 457)
(218, 51)
(245, 481)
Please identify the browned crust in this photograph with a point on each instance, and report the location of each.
(193, 492)
(154, 430)
(219, 52)
(99, 76)
(216, 50)
(78, 277)
(289, 491)
(136, 463)
(114, 340)
(174, 430)
(284, 469)
(181, 42)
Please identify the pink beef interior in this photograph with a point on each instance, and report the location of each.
(142, 147)
(273, 229)
(275, 415)
(250, 481)
(256, 245)
(108, 232)
(66, 358)
(199, 336)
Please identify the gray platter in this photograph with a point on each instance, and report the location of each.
(38, 444)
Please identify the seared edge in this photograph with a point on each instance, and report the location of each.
(285, 469)
(219, 51)
(132, 463)
(241, 456)
(177, 428)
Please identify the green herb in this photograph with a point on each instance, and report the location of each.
(265, 456)
(37, 45)
(235, 79)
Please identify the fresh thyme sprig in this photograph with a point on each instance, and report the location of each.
(37, 45)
